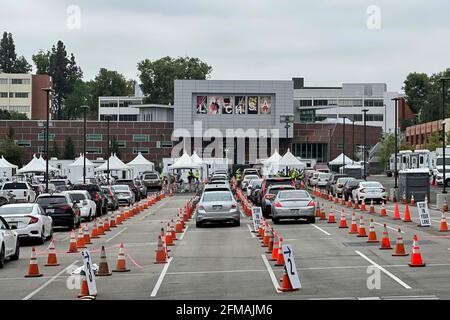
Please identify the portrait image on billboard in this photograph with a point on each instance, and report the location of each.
(214, 105)
(265, 105)
(239, 104)
(201, 105)
(252, 105)
(227, 107)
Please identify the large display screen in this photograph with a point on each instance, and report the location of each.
(230, 105)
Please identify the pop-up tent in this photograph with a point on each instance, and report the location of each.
(75, 169)
(140, 164)
(290, 161)
(271, 165)
(185, 162)
(36, 165)
(115, 165)
(196, 159)
(7, 170)
(339, 160)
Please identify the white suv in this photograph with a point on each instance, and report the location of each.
(22, 191)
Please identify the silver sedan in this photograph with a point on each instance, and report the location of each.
(293, 204)
(217, 206)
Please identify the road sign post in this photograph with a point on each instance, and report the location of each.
(424, 214)
(289, 264)
(256, 215)
(90, 276)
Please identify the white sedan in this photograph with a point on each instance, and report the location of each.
(369, 190)
(9, 243)
(87, 206)
(29, 220)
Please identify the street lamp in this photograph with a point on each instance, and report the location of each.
(396, 148)
(108, 119)
(444, 191)
(48, 91)
(343, 145)
(84, 142)
(287, 119)
(365, 143)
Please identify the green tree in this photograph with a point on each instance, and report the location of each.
(114, 146)
(9, 62)
(42, 62)
(54, 150)
(157, 77)
(11, 151)
(387, 148)
(80, 96)
(12, 115)
(69, 149)
(434, 141)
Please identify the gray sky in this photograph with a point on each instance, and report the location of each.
(325, 41)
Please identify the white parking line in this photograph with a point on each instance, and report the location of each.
(251, 231)
(271, 274)
(182, 236)
(384, 270)
(28, 297)
(118, 233)
(320, 229)
(161, 278)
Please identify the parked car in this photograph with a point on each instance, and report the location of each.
(250, 171)
(28, 220)
(309, 178)
(340, 184)
(151, 180)
(252, 185)
(61, 184)
(247, 179)
(141, 187)
(219, 177)
(217, 206)
(270, 195)
(124, 194)
(23, 192)
(133, 187)
(97, 195)
(61, 208)
(322, 179)
(87, 206)
(6, 197)
(369, 190)
(111, 197)
(267, 182)
(293, 204)
(332, 181)
(9, 243)
(38, 189)
(349, 186)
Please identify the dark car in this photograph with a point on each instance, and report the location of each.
(270, 195)
(142, 188)
(151, 180)
(254, 186)
(332, 181)
(267, 182)
(111, 197)
(61, 208)
(349, 186)
(97, 195)
(133, 187)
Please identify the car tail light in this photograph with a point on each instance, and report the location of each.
(33, 220)
(310, 204)
(277, 204)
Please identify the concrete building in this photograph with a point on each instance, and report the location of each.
(23, 93)
(418, 135)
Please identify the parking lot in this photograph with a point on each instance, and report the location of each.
(224, 262)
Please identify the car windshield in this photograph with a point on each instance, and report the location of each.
(120, 188)
(58, 183)
(324, 175)
(251, 177)
(352, 183)
(126, 182)
(150, 176)
(216, 196)
(78, 196)
(344, 180)
(51, 200)
(294, 194)
(14, 186)
(371, 185)
(88, 187)
(5, 210)
(276, 190)
(256, 182)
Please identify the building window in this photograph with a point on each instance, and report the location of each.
(164, 144)
(41, 150)
(350, 102)
(94, 150)
(320, 103)
(374, 117)
(128, 117)
(141, 138)
(104, 117)
(136, 150)
(108, 104)
(20, 81)
(318, 151)
(373, 103)
(3, 94)
(23, 143)
(305, 103)
(308, 115)
(41, 136)
(21, 94)
(21, 109)
(3, 81)
(94, 137)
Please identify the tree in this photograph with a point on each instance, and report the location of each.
(42, 62)
(434, 141)
(80, 96)
(69, 149)
(9, 62)
(54, 150)
(11, 151)
(12, 115)
(115, 146)
(157, 77)
(387, 148)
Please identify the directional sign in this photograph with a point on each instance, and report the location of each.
(289, 264)
(424, 214)
(90, 276)
(256, 215)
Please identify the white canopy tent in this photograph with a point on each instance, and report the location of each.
(290, 161)
(7, 170)
(196, 159)
(185, 162)
(339, 160)
(36, 165)
(271, 165)
(75, 170)
(115, 165)
(140, 164)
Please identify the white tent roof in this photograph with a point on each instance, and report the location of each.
(289, 160)
(273, 158)
(36, 165)
(185, 162)
(7, 163)
(140, 160)
(115, 164)
(338, 160)
(196, 159)
(80, 162)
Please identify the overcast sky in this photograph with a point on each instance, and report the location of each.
(325, 41)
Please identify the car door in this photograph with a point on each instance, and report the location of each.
(47, 220)
(8, 238)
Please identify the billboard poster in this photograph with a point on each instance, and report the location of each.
(227, 107)
(252, 105)
(201, 105)
(265, 105)
(214, 105)
(239, 104)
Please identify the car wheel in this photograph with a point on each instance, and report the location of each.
(2, 256)
(276, 220)
(50, 236)
(447, 183)
(16, 253)
(312, 220)
(198, 224)
(237, 223)
(42, 238)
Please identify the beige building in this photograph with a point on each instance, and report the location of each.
(16, 93)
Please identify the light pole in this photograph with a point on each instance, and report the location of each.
(396, 147)
(444, 191)
(343, 145)
(48, 91)
(353, 140)
(365, 143)
(84, 143)
(108, 118)
(287, 119)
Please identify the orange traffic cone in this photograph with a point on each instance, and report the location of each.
(178, 226)
(119, 217)
(317, 210)
(275, 247)
(121, 262)
(361, 229)
(363, 206)
(86, 236)
(323, 215)
(271, 240)
(172, 230)
(286, 283)
(103, 269)
(385, 241)
(343, 221)
(73, 243)
(400, 247)
(331, 218)
(383, 212)
(342, 200)
(160, 252)
(354, 226)
(169, 240)
(407, 216)
(416, 257)
(113, 220)
(404, 198)
(412, 200)
(51, 259)
(445, 206)
(84, 289)
(106, 224)
(280, 258)
(372, 233)
(356, 205)
(336, 199)
(80, 239)
(94, 233)
(443, 227)
(372, 207)
(349, 203)
(33, 268)
(396, 212)
(265, 242)
(100, 229)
